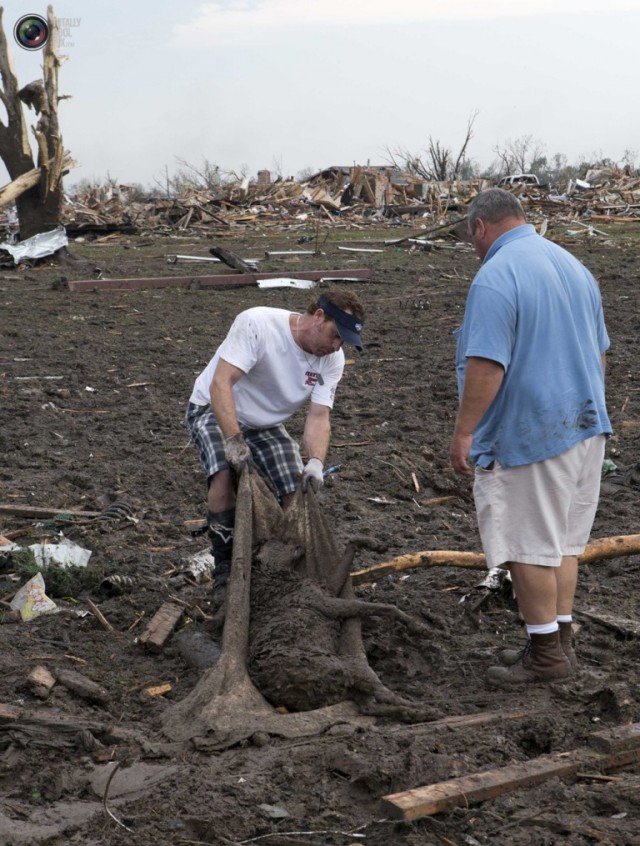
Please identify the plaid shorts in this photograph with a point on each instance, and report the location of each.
(275, 453)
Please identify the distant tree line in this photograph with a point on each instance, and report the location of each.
(436, 163)
(521, 155)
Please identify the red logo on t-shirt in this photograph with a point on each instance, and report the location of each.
(312, 378)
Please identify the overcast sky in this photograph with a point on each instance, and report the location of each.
(294, 84)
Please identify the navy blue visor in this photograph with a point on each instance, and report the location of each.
(348, 325)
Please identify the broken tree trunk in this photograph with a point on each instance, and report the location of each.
(40, 204)
(9, 193)
(296, 628)
(602, 549)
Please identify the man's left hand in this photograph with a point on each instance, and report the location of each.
(312, 474)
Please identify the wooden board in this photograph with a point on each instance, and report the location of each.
(42, 513)
(630, 628)
(436, 798)
(161, 624)
(236, 280)
(619, 748)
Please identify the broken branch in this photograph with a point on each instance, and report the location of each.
(604, 548)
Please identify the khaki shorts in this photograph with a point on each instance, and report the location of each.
(538, 513)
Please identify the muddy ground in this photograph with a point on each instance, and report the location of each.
(93, 387)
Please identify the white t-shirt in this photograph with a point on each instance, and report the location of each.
(279, 375)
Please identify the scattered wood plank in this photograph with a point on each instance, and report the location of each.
(483, 718)
(629, 628)
(41, 681)
(232, 260)
(9, 713)
(157, 690)
(606, 218)
(461, 792)
(161, 625)
(37, 512)
(275, 253)
(436, 798)
(237, 280)
(449, 225)
(41, 723)
(616, 740)
(82, 686)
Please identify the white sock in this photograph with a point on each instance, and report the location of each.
(564, 618)
(542, 628)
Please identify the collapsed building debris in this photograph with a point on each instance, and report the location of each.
(355, 196)
(358, 197)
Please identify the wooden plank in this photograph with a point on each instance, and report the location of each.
(630, 628)
(42, 513)
(617, 739)
(82, 686)
(445, 724)
(232, 260)
(9, 713)
(436, 798)
(41, 681)
(621, 747)
(606, 218)
(236, 280)
(481, 719)
(161, 624)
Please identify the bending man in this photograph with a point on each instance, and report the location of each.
(271, 363)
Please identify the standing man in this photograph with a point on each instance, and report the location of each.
(533, 421)
(271, 362)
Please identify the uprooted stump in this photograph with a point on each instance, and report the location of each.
(292, 634)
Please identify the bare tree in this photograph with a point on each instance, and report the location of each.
(36, 185)
(441, 164)
(521, 155)
(206, 176)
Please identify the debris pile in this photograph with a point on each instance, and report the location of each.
(357, 197)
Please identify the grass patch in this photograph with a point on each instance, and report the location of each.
(60, 581)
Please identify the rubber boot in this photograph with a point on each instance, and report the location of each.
(221, 537)
(542, 661)
(509, 657)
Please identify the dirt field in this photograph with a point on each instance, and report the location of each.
(93, 388)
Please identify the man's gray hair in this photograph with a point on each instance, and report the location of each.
(493, 205)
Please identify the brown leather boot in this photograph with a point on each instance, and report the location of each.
(542, 661)
(509, 657)
(566, 642)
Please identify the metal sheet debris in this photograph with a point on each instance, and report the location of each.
(40, 245)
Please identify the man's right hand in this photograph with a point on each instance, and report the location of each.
(237, 452)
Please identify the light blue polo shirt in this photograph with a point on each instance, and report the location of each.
(535, 309)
